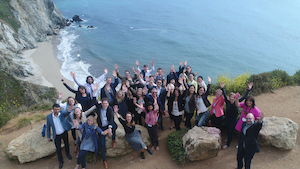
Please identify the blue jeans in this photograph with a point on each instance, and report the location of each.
(230, 124)
(202, 117)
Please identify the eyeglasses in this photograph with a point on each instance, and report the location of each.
(153, 92)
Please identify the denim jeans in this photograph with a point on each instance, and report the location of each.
(202, 117)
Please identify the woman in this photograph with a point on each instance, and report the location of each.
(248, 107)
(78, 119)
(201, 83)
(139, 99)
(65, 106)
(203, 103)
(190, 105)
(131, 134)
(231, 112)
(151, 122)
(81, 96)
(216, 110)
(121, 102)
(89, 139)
(175, 106)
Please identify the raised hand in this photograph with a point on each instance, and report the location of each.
(72, 74)
(209, 79)
(116, 67)
(180, 80)
(145, 90)
(185, 63)
(152, 62)
(222, 85)
(137, 63)
(132, 68)
(60, 96)
(63, 81)
(180, 63)
(147, 78)
(237, 95)
(196, 74)
(75, 122)
(116, 109)
(261, 116)
(105, 71)
(114, 73)
(134, 99)
(138, 73)
(163, 72)
(70, 107)
(250, 86)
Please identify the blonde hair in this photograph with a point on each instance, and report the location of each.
(230, 94)
(119, 100)
(94, 119)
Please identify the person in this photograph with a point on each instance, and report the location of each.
(216, 110)
(191, 81)
(89, 85)
(60, 127)
(203, 103)
(190, 105)
(81, 96)
(175, 75)
(159, 74)
(145, 72)
(89, 139)
(105, 120)
(109, 89)
(80, 120)
(248, 107)
(127, 75)
(132, 135)
(70, 102)
(231, 112)
(201, 83)
(247, 144)
(151, 112)
(139, 99)
(161, 93)
(121, 102)
(175, 106)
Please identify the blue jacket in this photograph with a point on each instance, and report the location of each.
(93, 135)
(66, 125)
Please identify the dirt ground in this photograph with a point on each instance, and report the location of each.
(283, 103)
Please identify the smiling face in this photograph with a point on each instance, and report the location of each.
(77, 112)
(108, 80)
(81, 90)
(199, 79)
(188, 69)
(90, 80)
(128, 117)
(104, 104)
(192, 89)
(150, 107)
(191, 77)
(127, 74)
(176, 93)
(56, 110)
(249, 118)
(154, 93)
(120, 94)
(71, 101)
(218, 93)
(90, 121)
(231, 99)
(249, 102)
(200, 91)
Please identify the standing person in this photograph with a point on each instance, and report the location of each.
(216, 110)
(109, 89)
(247, 144)
(175, 106)
(127, 76)
(70, 102)
(121, 102)
(89, 85)
(201, 83)
(132, 136)
(60, 127)
(159, 74)
(175, 75)
(191, 81)
(81, 96)
(145, 72)
(151, 111)
(203, 103)
(190, 105)
(89, 139)
(139, 99)
(161, 93)
(248, 107)
(231, 112)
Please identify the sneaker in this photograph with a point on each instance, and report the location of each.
(149, 151)
(142, 155)
(225, 147)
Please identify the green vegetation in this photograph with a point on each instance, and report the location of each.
(175, 146)
(29, 120)
(7, 15)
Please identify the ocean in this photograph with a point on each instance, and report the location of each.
(215, 37)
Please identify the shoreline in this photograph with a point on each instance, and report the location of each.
(46, 67)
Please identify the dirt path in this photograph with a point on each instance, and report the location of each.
(283, 103)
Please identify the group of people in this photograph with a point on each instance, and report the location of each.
(141, 100)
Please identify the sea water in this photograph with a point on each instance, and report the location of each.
(215, 37)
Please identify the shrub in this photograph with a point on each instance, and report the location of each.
(296, 77)
(175, 146)
(28, 120)
(279, 78)
(260, 83)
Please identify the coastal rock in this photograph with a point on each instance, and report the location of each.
(76, 18)
(279, 132)
(200, 145)
(123, 146)
(30, 146)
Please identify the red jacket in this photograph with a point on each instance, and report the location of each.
(218, 107)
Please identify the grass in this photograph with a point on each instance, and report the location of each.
(30, 120)
(7, 15)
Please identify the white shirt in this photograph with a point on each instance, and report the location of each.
(59, 129)
(148, 73)
(176, 111)
(201, 104)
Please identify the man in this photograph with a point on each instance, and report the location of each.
(105, 120)
(127, 75)
(159, 74)
(145, 72)
(60, 127)
(247, 145)
(109, 89)
(161, 94)
(89, 85)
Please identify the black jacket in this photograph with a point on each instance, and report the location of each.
(250, 139)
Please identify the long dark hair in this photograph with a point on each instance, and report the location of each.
(147, 105)
(251, 99)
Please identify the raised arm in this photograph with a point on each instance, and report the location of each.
(90, 111)
(247, 92)
(102, 77)
(222, 85)
(74, 78)
(237, 103)
(68, 87)
(152, 69)
(115, 84)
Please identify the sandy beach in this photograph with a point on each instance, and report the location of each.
(46, 67)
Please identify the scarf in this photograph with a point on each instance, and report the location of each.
(88, 129)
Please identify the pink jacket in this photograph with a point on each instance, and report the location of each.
(217, 105)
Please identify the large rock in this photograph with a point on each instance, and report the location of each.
(279, 132)
(30, 146)
(199, 145)
(77, 18)
(123, 146)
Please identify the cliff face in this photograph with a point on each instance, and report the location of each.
(32, 21)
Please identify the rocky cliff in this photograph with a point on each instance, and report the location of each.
(24, 23)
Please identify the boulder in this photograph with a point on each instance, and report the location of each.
(279, 132)
(200, 145)
(30, 146)
(123, 146)
(76, 18)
